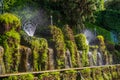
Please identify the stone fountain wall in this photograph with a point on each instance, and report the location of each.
(56, 50)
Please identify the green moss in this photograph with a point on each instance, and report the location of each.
(42, 76)
(71, 45)
(51, 76)
(82, 45)
(39, 47)
(106, 73)
(11, 45)
(9, 18)
(86, 74)
(114, 72)
(81, 41)
(26, 77)
(97, 74)
(69, 75)
(11, 78)
(35, 49)
(58, 46)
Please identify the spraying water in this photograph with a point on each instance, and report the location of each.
(89, 35)
(32, 19)
(29, 28)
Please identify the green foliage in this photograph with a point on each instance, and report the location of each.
(99, 31)
(109, 19)
(99, 5)
(59, 46)
(69, 12)
(112, 5)
(16, 4)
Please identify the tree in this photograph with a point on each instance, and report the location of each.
(72, 12)
(113, 5)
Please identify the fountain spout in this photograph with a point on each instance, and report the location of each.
(51, 20)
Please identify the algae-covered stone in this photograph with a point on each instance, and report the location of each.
(58, 44)
(71, 45)
(25, 61)
(2, 67)
(9, 21)
(83, 46)
(11, 45)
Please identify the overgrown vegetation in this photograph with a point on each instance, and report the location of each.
(83, 46)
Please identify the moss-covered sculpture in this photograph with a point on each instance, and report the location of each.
(71, 45)
(58, 44)
(102, 48)
(39, 48)
(83, 46)
(10, 40)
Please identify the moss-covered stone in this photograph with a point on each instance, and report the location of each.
(11, 45)
(25, 61)
(82, 45)
(114, 72)
(69, 75)
(58, 44)
(106, 73)
(101, 43)
(39, 48)
(71, 45)
(49, 76)
(26, 77)
(50, 59)
(97, 74)
(2, 67)
(9, 21)
(102, 48)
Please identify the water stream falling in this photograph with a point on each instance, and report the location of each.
(68, 59)
(89, 36)
(99, 59)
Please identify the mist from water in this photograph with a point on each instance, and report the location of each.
(32, 19)
(89, 36)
